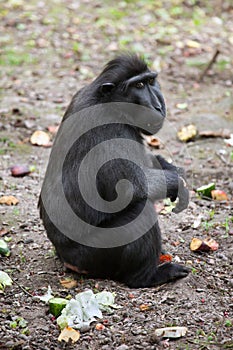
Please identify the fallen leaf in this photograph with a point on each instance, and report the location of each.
(144, 307)
(187, 133)
(193, 44)
(69, 333)
(68, 283)
(219, 195)
(171, 332)
(154, 142)
(40, 138)
(99, 327)
(3, 232)
(9, 200)
(198, 245)
(210, 133)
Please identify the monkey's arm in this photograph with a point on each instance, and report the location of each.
(165, 181)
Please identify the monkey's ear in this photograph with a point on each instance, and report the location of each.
(106, 88)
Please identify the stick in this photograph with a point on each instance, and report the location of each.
(209, 65)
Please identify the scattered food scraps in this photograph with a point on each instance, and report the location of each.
(205, 191)
(219, 195)
(4, 250)
(68, 333)
(198, 245)
(9, 200)
(53, 129)
(99, 327)
(47, 296)
(56, 305)
(40, 138)
(187, 133)
(5, 280)
(82, 310)
(182, 105)
(171, 332)
(21, 170)
(165, 258)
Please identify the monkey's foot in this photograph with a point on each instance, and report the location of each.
(75, 269)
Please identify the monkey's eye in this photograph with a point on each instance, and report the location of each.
(151, 81)
(139, 85)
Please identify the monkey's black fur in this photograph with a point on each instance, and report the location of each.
(124, 79)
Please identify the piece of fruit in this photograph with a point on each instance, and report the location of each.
(219, 195)
(165, 258)
(99, 327)
(20, 170)
(4, 250)
(67, 334)
(40, 138)
(187, 133)
(199, 245)
(56, 305)
(205, 191)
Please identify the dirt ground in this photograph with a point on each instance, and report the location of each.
(50, 49)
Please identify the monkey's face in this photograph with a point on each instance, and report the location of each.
(143, 90)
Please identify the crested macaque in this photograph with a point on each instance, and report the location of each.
(125, 79)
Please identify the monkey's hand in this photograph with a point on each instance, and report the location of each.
(183, 196)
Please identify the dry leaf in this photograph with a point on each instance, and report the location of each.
(3, 232)
(154, 142)
(69, 333)
(224, 133)
(9, 200)
(40, 138)
(144, 307)
(68, 283)
(193, 44)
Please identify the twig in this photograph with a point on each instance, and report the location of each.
(209, 65)
(222, 158)
(23, 289)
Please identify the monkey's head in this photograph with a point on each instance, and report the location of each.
(128, 79)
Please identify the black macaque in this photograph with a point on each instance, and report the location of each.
(128, 79)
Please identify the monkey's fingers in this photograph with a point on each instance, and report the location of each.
(183, 195)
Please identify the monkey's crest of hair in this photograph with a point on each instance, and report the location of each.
(122, 68)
